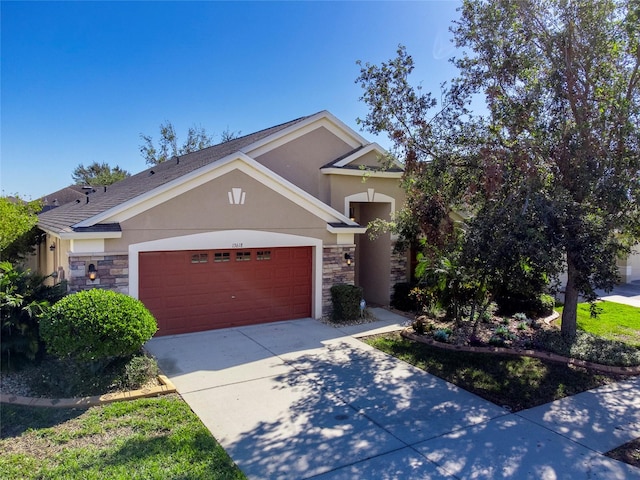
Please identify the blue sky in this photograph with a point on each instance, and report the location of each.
(82, 80)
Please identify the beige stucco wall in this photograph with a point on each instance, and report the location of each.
(630, 267)
(53, 261)
(370, 159)
(342, 186)
(300, 160)
(207, 208)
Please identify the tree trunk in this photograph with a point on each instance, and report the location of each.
(569, 313)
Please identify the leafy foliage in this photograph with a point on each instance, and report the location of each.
(98, 174)
(167, 147)
(549, 174)
(23, 300)
(97, 325)
(401, 298)
(65, 377)
(22, 246)
(17, 218)
(346, 302)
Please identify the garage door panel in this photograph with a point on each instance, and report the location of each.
(190, 291)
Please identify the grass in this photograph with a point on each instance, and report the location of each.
(615, 321)
(515, 382)
(141, 439)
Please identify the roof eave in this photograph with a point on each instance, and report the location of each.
(361, 173)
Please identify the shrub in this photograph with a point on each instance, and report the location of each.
(64, 377)
(97, 325)
(346, 302)
(442, 335)
(138, 371)
(520, 317)
(589, 347)
(546, 305)
(23, 299)
(402, 299)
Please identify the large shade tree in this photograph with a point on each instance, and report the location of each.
(551, 168)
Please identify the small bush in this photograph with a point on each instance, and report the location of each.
(497, 341)
(547, 303)
(97, 325)
(64, 377)
(346, 302)
(520, 317)
(402, 299)
(139, 370)
(442, 335)
(23, 300)
(592, 348)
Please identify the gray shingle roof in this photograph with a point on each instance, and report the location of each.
(63, 218)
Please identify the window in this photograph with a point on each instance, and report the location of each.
(200, 258)
(219, 257)
(263, 255)
(243, 256)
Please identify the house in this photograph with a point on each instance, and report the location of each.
(63, 196)
(253, 230)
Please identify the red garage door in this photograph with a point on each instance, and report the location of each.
(190, 291)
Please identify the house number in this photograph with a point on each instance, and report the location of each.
(236, 245)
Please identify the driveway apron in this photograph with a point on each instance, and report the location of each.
(300, 399)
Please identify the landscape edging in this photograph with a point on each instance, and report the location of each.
(553, 357)
(164, 388)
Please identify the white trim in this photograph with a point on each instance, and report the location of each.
(88, 235)
(226, 239)
(320, 119)
(236, 161)
(349, 230)
(361, 173)
(370, 196)
(71, 235)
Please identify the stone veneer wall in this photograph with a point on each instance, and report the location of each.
(399, 265)
(113, 272)
(335, 270)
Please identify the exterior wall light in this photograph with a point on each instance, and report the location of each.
(93, 273)
(348, 259)
(52, 247)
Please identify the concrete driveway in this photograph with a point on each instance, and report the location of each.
(301, 399)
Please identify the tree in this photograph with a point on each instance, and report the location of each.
(17, 218)
(197, 139)
(98, 174)
(557, 156)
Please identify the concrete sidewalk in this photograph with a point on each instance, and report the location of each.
(627, 293)
(301, 399)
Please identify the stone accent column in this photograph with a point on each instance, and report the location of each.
(335, 270)
(399, 265)
(113, 272)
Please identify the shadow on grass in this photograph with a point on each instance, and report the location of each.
(16, 419)
(515, 382)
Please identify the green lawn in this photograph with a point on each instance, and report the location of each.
(615, 322)
(156, 438)
(518, 382)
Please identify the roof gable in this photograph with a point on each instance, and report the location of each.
(154, 185)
